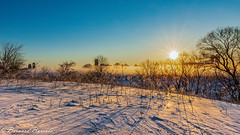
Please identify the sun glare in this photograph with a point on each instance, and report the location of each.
(173, 55)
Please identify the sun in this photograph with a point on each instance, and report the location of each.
(173, 55)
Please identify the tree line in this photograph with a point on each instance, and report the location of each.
(212, 70)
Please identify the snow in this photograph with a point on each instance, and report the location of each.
(28, 107)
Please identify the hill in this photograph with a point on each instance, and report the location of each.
(70, 108)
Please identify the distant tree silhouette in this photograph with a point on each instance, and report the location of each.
(117, 64)
(87, 66)
(101, 60)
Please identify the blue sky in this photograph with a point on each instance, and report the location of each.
(53, 31)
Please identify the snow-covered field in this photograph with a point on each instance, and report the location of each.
(28, 107)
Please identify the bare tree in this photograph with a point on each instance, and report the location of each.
(102, 64)
(186, 71)
(100, 70)
(149, 69)
(45, 73)
(11, 57)
(222, 46)
(101, 60)
(199, 70)
(149, 72)
(66, 70)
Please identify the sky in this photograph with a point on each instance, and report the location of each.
(53, 31)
